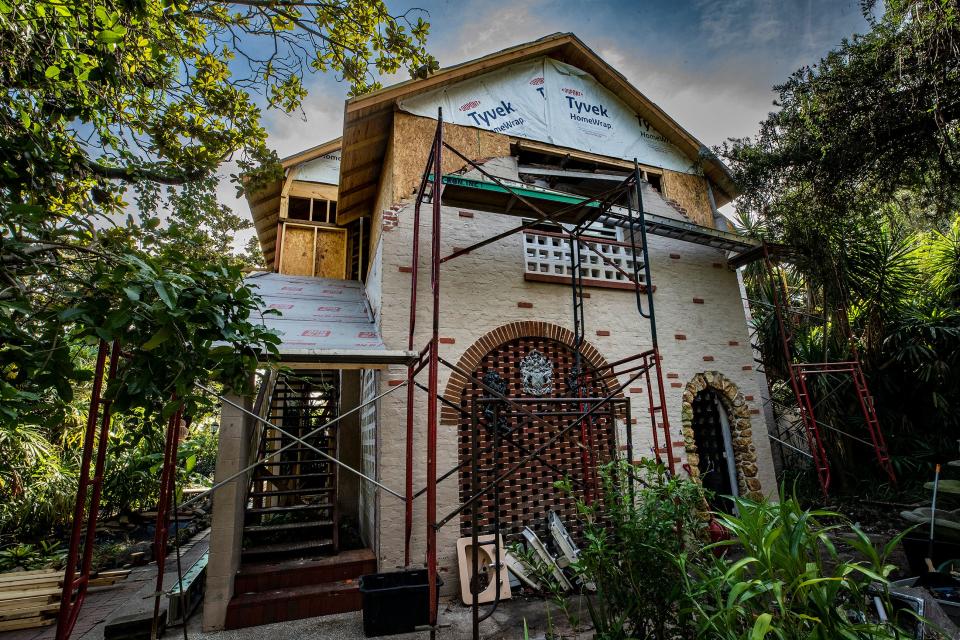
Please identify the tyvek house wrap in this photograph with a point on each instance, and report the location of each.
(322, 319)
(554, 102)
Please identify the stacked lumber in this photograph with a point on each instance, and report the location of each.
(32, 598)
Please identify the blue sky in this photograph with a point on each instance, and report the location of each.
(710, 64)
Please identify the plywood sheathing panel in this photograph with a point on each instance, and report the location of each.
(331, 253)
(690, 192)
(385, 199)
(296, 255)
(413, 136)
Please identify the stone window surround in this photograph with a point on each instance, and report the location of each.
(738, 415)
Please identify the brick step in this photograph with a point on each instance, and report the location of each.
(253, 609)
(283, 548)
(268, 575)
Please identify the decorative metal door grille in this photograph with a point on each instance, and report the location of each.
(527, 496)
(708, 435)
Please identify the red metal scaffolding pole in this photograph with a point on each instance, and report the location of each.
(167, 487)
(413, 369)
(85, 520)
(433, 372)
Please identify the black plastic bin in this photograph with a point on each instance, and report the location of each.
(395, 602)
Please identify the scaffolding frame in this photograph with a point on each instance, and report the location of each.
(800, 373)
(647, 364)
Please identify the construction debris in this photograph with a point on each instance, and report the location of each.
(31, 599)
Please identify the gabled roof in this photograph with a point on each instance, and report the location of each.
(367, 118)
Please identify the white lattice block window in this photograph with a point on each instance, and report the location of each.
(547, 259)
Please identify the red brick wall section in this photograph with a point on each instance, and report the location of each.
(527, 496)
(470, 360)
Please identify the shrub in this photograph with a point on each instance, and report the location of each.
(786, 578)
(631, 537)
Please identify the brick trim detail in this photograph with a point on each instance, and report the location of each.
(471, 358)
(738, 415)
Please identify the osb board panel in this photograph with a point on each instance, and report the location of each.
(384, 200)
(691, 193)
(331, 261)
(296, 255)
(413, 136)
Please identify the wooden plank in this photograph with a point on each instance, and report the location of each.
(29, 612)
(21, 603)
(26, 623)
(27, 593)
(331, 253)
(296, 250)
(317, 190)
(312, 153)
(20, 574)
(31, 583)
(285, 191)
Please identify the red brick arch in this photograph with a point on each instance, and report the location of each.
(472, 357)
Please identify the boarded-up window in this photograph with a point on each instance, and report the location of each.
(313, 251)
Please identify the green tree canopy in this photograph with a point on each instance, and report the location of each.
(115, 118)
(857, 171)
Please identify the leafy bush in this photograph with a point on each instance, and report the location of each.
(37, 492)
(29, 557)
(632, 537)
(786, 578)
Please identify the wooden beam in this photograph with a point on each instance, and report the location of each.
(571, 173)
(358, 189)
(304, 189)
(285, 192)
(312, 153)
(583, 156)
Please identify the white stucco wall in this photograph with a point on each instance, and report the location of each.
(481, 291)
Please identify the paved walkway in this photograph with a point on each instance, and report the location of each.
(505, 624)
(128, 596)
(135, 594)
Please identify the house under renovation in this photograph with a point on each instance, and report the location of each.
(502, 275)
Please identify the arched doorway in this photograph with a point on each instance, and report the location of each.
(531, 367)
(716, 465)
(709, 400)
